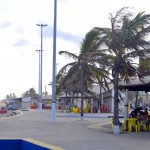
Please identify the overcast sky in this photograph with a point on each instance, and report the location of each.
(20, 37)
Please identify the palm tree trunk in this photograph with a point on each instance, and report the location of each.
(72, 101)
(81, 81)
(116, 117)
(100, 98)
(100, 95)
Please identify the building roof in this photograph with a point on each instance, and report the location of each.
(142, 84)
(15, 99)
(48, 97)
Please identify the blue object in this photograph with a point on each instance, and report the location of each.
(19, 144)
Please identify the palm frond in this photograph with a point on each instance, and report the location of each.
(68, 54)
(90, 42)
(65, 68)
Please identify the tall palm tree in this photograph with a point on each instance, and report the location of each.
(79, 72)
(126, 40)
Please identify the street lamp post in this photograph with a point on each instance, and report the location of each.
(54, 64)
(40, 76)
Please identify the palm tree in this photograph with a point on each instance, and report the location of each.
(144, 66)
(126, 40)
(79, 72)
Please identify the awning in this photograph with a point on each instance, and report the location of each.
(142, 84)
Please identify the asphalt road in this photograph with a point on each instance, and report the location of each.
(71, 133)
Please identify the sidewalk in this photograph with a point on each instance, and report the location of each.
(71, 133)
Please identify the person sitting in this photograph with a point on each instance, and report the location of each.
(137, 110)
(148, 122)
(132, 115)
(145, 114)
(140, 116)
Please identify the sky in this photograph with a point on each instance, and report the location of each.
(20, 37)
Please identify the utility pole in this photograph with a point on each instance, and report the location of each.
(41, 60)
(45, 91)
(54, 64)
(39, 76)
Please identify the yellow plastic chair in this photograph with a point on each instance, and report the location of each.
(141, 124)
(149, 127)
(132, 123)
(112, 124)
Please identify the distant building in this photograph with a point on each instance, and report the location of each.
(19, 103)
(46, 100)
(27, 102)
(15, 103)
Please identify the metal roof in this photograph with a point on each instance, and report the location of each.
(142, 84)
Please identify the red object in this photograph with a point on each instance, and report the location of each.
(34, 106)
(104, 109)
(3, 111)
(46, 107)
(59, 107)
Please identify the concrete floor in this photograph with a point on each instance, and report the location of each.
(70, 133)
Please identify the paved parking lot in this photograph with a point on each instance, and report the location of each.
(71, 133)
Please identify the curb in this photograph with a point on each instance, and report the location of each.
(13, 114)
(49, 146)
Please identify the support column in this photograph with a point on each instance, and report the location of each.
(126, 105)
(64, 101)
(112, 102)
(99, 104)
(91, 105)
(72, 104)
(147, 101)
(102, 102)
